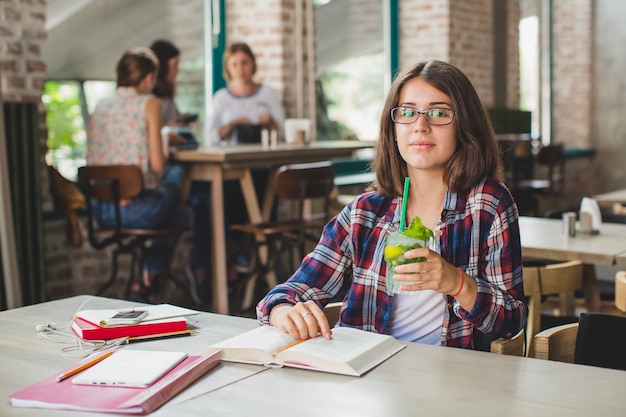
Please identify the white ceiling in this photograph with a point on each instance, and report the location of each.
(87, 37)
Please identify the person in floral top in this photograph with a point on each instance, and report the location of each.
(125, 128)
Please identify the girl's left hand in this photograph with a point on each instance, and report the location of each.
(435, 273)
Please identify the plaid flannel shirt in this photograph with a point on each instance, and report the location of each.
(479, 233)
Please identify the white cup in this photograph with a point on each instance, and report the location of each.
(294, 129)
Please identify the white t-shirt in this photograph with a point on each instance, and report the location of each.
(418, 317)
(228, 107)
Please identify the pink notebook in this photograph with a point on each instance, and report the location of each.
(65, 395)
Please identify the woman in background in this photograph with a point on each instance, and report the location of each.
(243, 101)
(165, 89)
(165, 86)
(125, 128)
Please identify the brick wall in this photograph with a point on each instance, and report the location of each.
(609, 94)
(572, 92)
(512, 59)
(460, 32)
(22, 35)
(572, 89)
(424, 31)
(268, 27)
(471, 44)
(22, 70)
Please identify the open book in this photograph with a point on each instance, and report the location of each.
(349, 352)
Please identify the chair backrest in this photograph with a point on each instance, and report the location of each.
(101, 181)
(596, 340)
(620, 290)
(553, 157)
(510, 346)
(108, 183)
(543, 280)
(601, 341)
(304, 182)
(556, 343)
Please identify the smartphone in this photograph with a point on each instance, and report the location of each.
(187, 118)
(128, 317)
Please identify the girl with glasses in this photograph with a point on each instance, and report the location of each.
(434, 131)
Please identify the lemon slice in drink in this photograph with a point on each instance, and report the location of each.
(393, 251)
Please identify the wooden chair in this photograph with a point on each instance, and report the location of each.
(596, 340)
(539, 281)
(556, 343)
(551, 159)
(514, 346)
(620, 291)
(117, 183)
(307, 188)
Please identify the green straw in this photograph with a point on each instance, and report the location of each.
(405, 196)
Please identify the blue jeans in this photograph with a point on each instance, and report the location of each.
(199, 201)
(150, 209)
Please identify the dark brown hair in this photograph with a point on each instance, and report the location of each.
(233, 49)
(477, 152)
(134, 65)
(164, 51)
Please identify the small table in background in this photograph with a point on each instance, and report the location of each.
(220, 163)
(606, 200)
(545, 238)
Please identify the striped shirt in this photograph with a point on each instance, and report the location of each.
(478, 233)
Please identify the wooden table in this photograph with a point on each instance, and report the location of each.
(545, 239)
(421, 379)
(235, 162)
(606, 200)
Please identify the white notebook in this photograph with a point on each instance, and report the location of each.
(130, 368)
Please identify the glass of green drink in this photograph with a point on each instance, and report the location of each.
(396, 244)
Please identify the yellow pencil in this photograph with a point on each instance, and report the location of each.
(297, 342)
(158, 336)
(84, 366)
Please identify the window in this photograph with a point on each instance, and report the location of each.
(351, 65)
(529, 69)
(68, 105)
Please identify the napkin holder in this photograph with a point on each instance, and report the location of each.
(297, 131)
(590, 218)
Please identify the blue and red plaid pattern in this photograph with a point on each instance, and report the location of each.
(479, 233)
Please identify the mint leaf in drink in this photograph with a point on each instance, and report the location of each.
(417, 230)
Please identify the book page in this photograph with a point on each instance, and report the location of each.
(254, 346)
(349, 351)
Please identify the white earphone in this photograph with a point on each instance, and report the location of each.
(76, 346)
(46, 327)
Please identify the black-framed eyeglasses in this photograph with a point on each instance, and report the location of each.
(409, 115)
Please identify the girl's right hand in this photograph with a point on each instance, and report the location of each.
(302, 321)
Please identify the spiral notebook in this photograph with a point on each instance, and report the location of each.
(130, 368)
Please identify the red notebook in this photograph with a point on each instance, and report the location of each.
(65, 395)
(89, 331)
